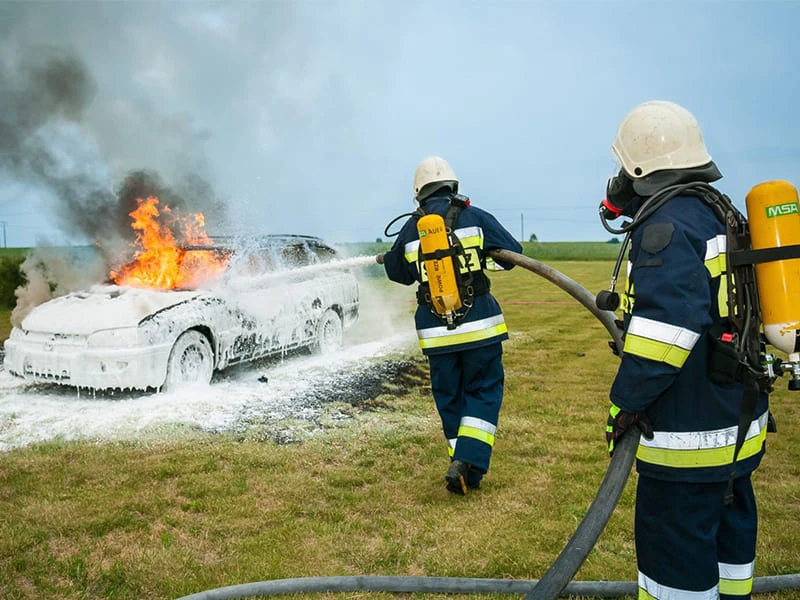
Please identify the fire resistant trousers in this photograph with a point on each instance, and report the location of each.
(690, 545)
(468, 389)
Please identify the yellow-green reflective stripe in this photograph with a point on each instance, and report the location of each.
(643, 595)
(717, 265)
(628, 298)
(626, 302)
(722, 296)
(659, 351)
(477, 434)
(475, 261)
(707, 457)
(463, 338)
(411, 256)
(472, 241)
(736, 587)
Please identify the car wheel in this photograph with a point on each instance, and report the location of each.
(329, 333)
(190, 361)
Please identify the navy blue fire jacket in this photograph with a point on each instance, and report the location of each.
(676, 290)
(478, 232)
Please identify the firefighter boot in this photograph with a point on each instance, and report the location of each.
(457, 477)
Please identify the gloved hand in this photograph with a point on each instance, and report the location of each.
(619, 421)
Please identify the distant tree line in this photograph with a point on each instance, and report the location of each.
(11, 278)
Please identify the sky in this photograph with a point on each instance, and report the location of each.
(310, 116)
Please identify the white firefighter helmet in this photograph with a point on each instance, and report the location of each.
(657, 136)
(433, 169)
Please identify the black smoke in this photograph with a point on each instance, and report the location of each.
(46, 94)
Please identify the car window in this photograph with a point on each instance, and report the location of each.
(324, 253)
(296, 255)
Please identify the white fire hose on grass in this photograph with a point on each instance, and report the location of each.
(557, 580)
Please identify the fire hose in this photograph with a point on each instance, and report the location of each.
(557, 580)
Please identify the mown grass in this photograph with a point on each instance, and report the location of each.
(162, 520)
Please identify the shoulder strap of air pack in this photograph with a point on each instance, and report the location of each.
(744, 315)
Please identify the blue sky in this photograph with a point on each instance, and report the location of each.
(311, 116)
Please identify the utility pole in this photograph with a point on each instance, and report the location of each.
(4, 224)
(521, 227)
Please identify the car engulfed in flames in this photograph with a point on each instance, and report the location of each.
(181, 311)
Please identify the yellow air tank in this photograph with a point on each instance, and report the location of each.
(440, 272)
(772, 212)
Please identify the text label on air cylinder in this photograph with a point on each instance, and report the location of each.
(781, 209)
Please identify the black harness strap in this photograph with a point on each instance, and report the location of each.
(751, 257)
(470, 283)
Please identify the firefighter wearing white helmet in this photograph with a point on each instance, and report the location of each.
(695, 524)
(462, 342)
(432, 174)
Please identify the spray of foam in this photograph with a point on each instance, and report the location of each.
(385, 308)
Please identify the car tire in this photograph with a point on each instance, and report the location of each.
(328, 333)
(191, 361)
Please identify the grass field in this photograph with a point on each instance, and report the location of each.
(161, 520)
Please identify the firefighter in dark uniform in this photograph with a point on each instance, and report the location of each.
(466, 366)
(690, 542)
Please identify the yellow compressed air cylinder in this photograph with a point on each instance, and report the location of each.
(440, 272)
(772, 212)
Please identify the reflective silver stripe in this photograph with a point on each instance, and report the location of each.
(410, 251)
(738, 572)
(653, 589)
(703, 440)
(478, 424)
(411, 246)
(663, 332)
(471, 327)
(716, 246)
(470, 236)
(716, 260)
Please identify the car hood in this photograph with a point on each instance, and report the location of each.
(101, 307)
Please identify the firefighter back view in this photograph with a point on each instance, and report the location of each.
(702, 434)
(442, 248)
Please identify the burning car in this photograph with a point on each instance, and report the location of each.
(265, 295)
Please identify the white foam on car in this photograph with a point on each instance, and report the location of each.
(30, 414)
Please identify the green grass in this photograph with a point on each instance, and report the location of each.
(546, 251)
(366, 497)
(13, 252)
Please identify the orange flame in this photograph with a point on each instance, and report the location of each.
(160, 262)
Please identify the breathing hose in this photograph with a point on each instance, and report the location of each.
(557, 579)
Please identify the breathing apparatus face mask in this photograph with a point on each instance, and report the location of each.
(619, 193)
